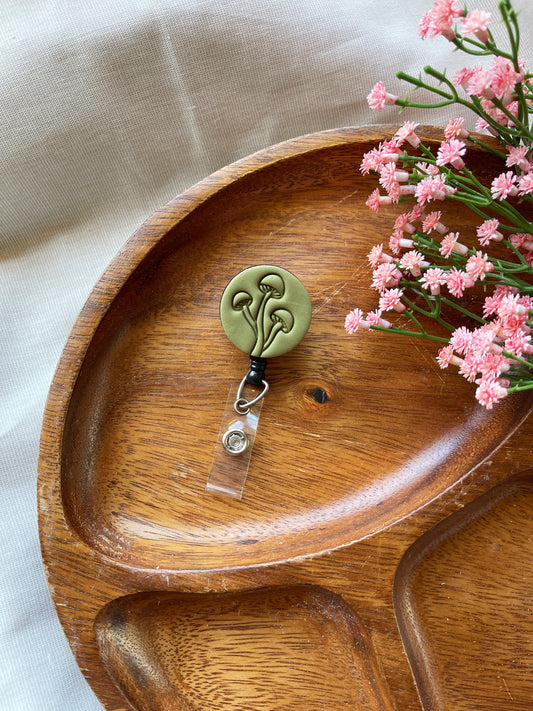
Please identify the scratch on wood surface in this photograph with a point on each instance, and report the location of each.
(336, 288)
(432, 362)
(343, 199)
(507, 688)
(283, 227)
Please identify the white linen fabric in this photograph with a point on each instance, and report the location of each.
(108, 109)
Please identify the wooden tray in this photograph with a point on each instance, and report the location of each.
(178, 600)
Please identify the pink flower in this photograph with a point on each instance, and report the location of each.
(416, 213)
(451, 152)
(480, 84)
(461, 339)
(518, 343)
(516, 155)
(450, 244)
(430, 188)
(463, 77)
(525, 183)
(518, 239)
(446, 357)
(385, 276)
(504, 186)
(476, 23)
(444, 12)
(433, 279)
(412, 261)
(432, 222)
(488, 231)
(457, 281)
(407, 133)
(470, 367)
(387, 177)
(492, 365)
(376, 158)
(482, 340)
(374, 319)
(354, 321)
(513, 313)
(378, 256)
(454, 129)
(390, 300)
(489, 392)
(375, 200)
(390, 177)
(478, 265)
(379, 98)
(397, 242)
(503, 77)
(403, 223)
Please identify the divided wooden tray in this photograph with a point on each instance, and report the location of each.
(371, 563)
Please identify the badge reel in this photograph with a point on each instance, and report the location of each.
(265, 312)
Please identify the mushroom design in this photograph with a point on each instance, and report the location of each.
(271, 286)
(282, 320)
(265, 311)
(242, 302)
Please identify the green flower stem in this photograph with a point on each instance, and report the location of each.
(519, 388)
(487, 147)
(516, 358)
(462, 310)
(414, 334)
(421, 84)
(434, 313)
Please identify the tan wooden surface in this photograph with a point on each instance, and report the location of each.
(363, 446)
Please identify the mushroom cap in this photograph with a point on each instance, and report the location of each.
(240, 300)
(284, 317)
(273, 283)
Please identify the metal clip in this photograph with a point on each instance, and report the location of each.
(242, 405)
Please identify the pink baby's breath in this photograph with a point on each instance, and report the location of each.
(385, 276)
(489, 392)
(476, 23)
(463, 77)
(461, 339)
(407, 133)
(430, 188)
(390, 299)
(379, 97)
(525, 183)
(454, 129)
(403, 223)
(432, 279)
(478, 265)
(451, 152)
(378, 256)
(412, 261)
(503, 186)
(457, 281)
(516, 155)
(446, 357)
(488, 232)
(374, 319)
(375, 200)
(451, 244)
(354, 321)
(503, 77)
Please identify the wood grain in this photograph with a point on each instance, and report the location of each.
(363, 444)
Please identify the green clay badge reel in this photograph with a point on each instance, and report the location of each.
(265, 311)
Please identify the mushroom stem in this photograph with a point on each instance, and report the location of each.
(260, 321)
(275, 329)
